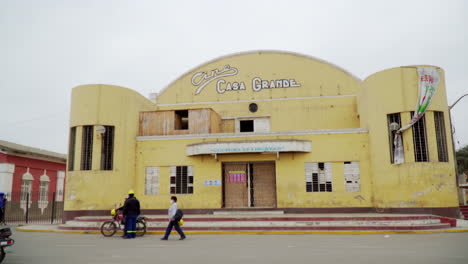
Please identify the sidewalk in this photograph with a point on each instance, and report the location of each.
(55, 229)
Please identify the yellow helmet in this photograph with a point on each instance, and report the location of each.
(131, 192)
(113, 212)
(181, 222)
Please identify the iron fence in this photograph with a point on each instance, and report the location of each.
(33, 208)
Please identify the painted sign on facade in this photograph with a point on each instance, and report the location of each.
(201, 79)
(249, 147)
(212, 182)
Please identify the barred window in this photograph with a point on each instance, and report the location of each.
(441, 136)
(352, 176)
(181, 179)
(26, 188)
(71, 149)
(87, 148)
(393, 119)
(107, 148)
(43, 191)
(421, 153)
(318, 177)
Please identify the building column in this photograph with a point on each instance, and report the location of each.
(6, 177)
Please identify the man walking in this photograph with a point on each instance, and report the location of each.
(173, 222)
(131, 210)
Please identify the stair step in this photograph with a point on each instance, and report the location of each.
(248, 213)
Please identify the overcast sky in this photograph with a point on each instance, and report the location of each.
(49, 47)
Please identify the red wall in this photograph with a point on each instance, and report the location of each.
(36, 168)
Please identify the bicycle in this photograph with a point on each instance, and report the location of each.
(109, 228)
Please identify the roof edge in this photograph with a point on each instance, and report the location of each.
(258, 51)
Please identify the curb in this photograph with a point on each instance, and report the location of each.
(263, 232)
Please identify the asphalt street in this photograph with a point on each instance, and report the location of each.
(47, 248)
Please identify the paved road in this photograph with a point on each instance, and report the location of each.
(48, 248)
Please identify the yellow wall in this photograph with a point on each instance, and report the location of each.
(109, 106)
(290, 171)
(412, 184)
(329, 98)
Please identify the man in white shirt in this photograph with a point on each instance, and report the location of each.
(173, 222)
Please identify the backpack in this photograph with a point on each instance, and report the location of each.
(178, 215)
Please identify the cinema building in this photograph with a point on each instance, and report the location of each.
(263, 129)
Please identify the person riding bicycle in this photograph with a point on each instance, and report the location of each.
(131, 210)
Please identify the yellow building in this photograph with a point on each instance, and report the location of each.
(262, 129)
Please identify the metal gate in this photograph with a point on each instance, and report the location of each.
(249, 184)
(33, 208)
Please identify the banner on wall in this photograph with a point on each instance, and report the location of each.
(428, 79)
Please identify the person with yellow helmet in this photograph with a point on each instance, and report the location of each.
(131, 210)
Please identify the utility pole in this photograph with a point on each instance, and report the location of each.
(453, 149)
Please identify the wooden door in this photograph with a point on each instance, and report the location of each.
(264, 184)
(235, 185)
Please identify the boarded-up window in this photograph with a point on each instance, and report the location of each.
(318, 177)
(87, 148)
(352, 176)
(393, 124)
(107, 148)
(421, 153)
(71, 149)
(181, 179)
(152, 181)
(441, 136)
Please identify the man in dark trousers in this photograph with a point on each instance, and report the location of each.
(173, 220)
(131, 210)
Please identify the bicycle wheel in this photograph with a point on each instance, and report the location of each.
(140, 228)
(108, 228)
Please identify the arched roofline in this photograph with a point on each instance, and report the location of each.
(407, 66)
(99, 85)
(259, 51)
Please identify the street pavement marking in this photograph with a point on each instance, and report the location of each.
(75, 245)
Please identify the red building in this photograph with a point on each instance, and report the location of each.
(30, 174)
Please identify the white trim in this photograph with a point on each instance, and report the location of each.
(261, 100)
(271, 134)
(245, 117)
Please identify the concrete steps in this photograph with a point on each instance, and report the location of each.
(464, 211)
(279, 222)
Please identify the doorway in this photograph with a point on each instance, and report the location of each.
(249, 184)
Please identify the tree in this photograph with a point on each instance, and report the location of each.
(462, 160)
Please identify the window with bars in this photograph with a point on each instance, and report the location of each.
(392, 118)
(26, 188)
(421, 152)
(44, 191)
(181, 179)
(152, 180)
(318, 177)
(352, 176)
(71, 149)
(87, 148)
(107, 148)
(441, 136)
